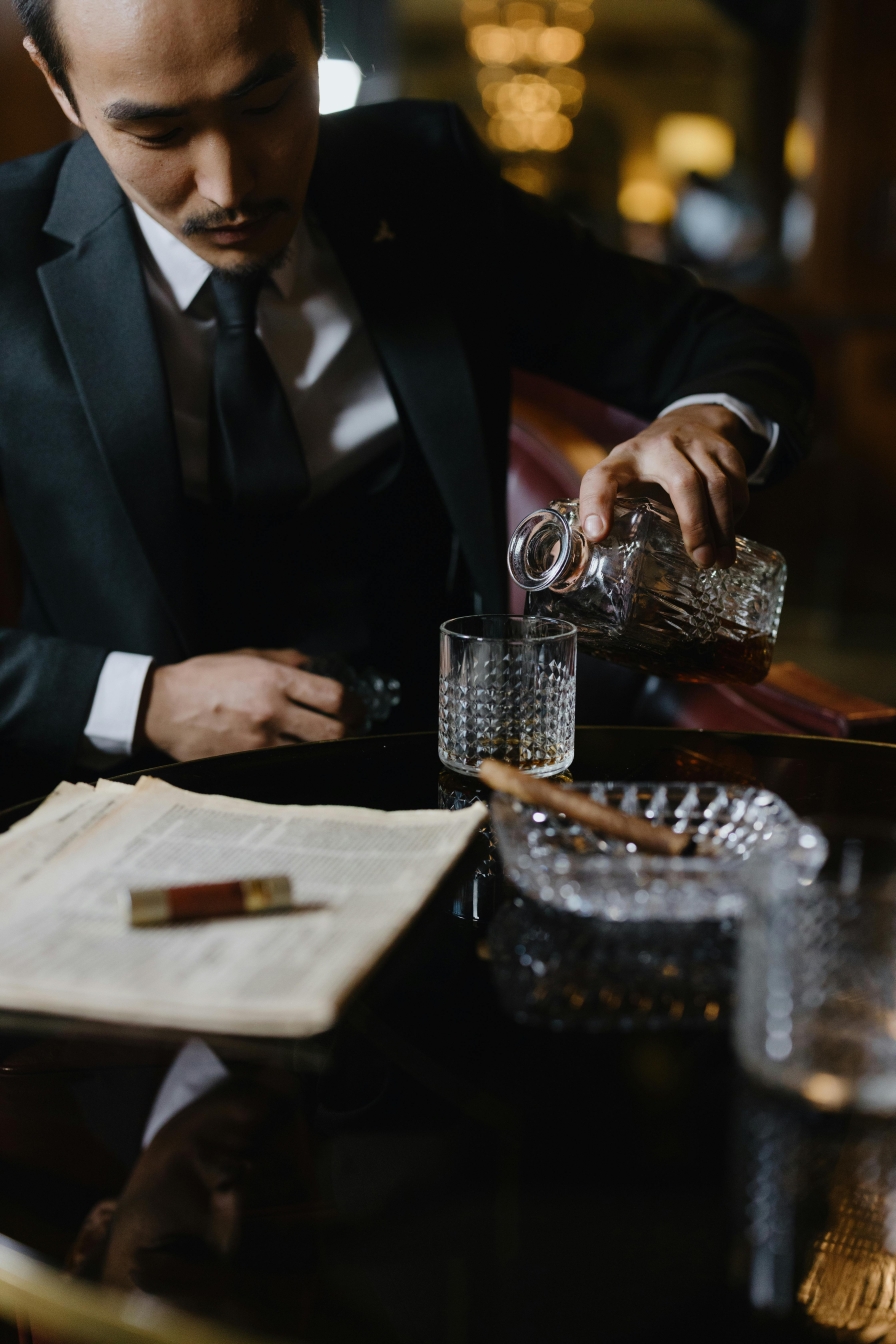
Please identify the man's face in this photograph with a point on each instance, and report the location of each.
(205, 110)
(218, 1215)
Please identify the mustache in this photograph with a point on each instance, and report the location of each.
(221, 219)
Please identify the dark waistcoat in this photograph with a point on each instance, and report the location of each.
(368, 571)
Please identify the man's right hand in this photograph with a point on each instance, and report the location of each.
(226, 702)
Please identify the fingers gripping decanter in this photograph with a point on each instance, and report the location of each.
(638, 599)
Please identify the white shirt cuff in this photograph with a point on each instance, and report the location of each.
(116, 704)
(766, 429)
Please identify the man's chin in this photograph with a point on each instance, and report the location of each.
(228, 262)
(241, 252)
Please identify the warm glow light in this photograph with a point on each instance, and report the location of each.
(827, 1091)
(527, 177)
(528, 96)
(563, 77)
(571, 84)
(528, 33)
(574, 14)
(519, 12)
(688, 143)
(479, 11)
(554, 134)
(492, 75)
(529, 111)
(490, 96)
(799, 151)
(570, 98)
(548, 131)
(646, 201)
(559, 46)
(493, 45)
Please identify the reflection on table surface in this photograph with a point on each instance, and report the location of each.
(464, 1160)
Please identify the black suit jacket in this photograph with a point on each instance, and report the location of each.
(468, 278)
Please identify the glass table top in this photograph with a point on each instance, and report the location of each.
(460, 1160)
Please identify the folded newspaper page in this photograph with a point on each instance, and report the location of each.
(66, 945)
(71, 810)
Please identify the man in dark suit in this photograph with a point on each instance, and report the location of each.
(254, 384)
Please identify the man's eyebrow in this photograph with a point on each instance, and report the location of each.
(274, 67)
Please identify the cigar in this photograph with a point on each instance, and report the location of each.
(541, 793)
(168, 905)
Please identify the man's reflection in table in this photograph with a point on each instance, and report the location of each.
(219, 1212)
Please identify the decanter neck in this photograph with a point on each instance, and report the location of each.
(547, 549)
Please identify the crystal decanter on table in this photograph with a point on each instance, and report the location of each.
(638, 599)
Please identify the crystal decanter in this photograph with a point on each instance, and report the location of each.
(638, 599)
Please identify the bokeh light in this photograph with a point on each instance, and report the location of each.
(527, 177)
(574, 14)
(521, 11)
(690, 143)
(571, 87)
(480, 11)
(646, 196)
(527, 86)
(646, 201)
(559, 45)
(799, 151)
(493, 45)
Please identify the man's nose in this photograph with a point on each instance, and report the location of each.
(223, 176)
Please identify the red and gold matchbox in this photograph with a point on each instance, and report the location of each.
(169, 905)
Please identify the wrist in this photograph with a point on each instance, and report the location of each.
(148, 726)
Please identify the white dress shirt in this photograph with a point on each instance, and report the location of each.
(194, 1072)
(345, 414)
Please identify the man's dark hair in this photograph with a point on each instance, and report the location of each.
(39, 22)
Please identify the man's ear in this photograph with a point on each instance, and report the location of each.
(92, 1238)
(58, 93)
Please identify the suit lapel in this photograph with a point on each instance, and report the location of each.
(420, 348)
(98, 303)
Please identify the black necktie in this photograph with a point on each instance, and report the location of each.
(255, 454)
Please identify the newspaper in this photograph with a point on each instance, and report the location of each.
(66, 945)
(65, 815)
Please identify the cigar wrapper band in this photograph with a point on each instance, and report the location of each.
(167, 905)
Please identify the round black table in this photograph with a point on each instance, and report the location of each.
(440, 1169)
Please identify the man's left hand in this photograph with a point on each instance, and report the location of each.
(701, 456)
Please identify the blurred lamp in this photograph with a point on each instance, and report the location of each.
(548, 131)
(528, 96)
(520, 12)
(527, 177)
(574, 14)
(798, 227)
(689, 143)
(799, 151)
(645, 201)
(340, 84)
(493, 45)
(712, 225)
(559, 46)
(479, 11)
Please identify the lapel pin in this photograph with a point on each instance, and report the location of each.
(384, 233)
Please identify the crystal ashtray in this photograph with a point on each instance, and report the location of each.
(735, 829)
